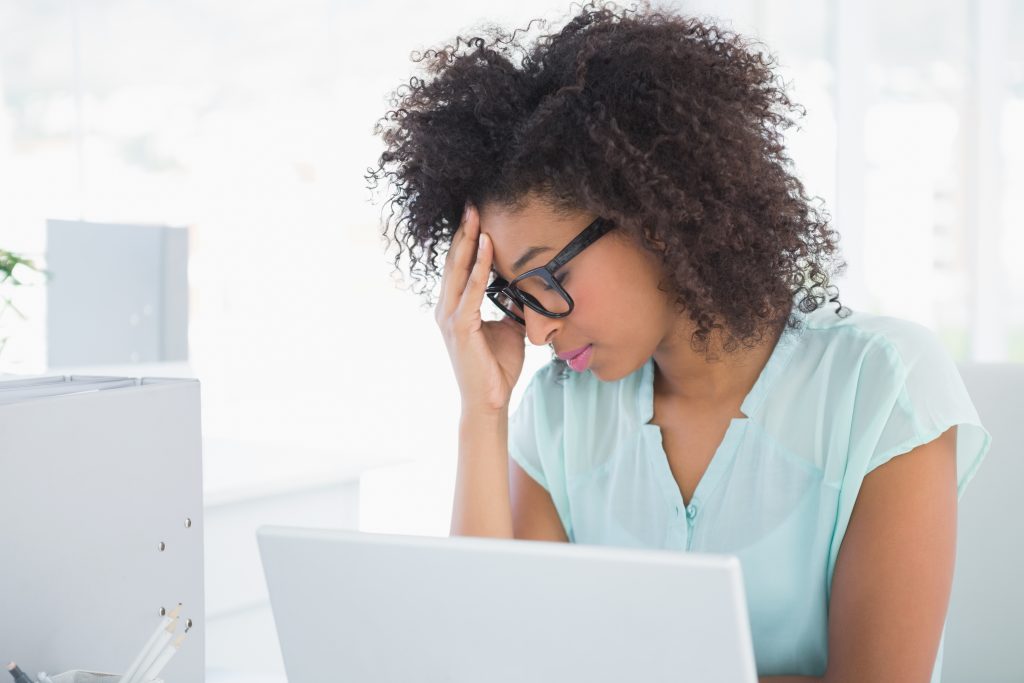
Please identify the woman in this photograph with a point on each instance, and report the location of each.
(621, 191)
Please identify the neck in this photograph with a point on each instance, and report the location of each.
(685, 376)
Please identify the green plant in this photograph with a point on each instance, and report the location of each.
(12, 269)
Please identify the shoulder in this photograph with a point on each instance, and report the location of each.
(869, 343)
(835, 356)
(851, 376)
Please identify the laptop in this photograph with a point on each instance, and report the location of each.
(362, 607)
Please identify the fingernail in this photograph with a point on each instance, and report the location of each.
(480, 246)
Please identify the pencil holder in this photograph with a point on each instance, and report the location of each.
(82, 676)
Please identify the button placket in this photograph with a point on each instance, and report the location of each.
(691, 516)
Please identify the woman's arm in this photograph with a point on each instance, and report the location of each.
(534, 516)
(894, 572)
(481, 506)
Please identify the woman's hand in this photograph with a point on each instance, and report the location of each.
(487, 356)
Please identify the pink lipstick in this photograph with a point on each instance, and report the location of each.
(579, 359)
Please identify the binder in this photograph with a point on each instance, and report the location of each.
(101, 520)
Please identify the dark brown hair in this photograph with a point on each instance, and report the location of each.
(667, 125)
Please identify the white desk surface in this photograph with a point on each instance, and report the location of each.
(221, 676)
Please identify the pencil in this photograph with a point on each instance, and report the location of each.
(161, 661)
(164, 632)
(164, 623)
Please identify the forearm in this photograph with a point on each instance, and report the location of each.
(482, 506)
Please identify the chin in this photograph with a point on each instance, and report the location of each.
(614, 374)
(604, 377)
(602, 373)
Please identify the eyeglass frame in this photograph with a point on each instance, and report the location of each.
(590, 234)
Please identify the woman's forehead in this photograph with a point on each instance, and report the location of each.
(528, 237)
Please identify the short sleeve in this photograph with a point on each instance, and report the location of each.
(906, 392)
(928, 398)
(535, 438)
(523, 440)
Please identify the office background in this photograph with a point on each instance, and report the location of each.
(249, 125)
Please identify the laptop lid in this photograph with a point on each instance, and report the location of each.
(362, 607)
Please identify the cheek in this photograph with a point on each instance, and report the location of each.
(632, 289)
(622, 292)
(613, 301)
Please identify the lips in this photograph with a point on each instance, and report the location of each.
(569, 355)
(580, 361)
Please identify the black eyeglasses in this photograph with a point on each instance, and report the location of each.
(538, 288)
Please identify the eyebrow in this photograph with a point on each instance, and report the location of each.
(529, 254)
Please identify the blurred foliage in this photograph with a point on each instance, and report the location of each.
(14, 269)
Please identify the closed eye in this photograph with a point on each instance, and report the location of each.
(559, 278)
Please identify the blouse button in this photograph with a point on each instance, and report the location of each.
(691, 511)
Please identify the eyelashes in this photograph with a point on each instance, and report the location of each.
(560, 279)
(497, 276)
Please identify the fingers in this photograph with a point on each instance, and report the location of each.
(476, 284)
(459, 262)
(468, 233)
(449, 260)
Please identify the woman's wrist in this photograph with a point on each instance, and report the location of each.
(477, 415)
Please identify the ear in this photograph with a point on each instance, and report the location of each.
(653, 242)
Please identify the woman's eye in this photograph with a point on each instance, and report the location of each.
(560, 279)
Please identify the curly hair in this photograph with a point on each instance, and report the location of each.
(667, 125)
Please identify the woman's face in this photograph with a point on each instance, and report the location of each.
(613, 282)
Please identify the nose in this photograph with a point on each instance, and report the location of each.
(540, 329)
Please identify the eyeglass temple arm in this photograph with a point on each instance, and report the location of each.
(585, 239)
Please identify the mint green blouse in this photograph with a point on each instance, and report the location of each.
(837, 398)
